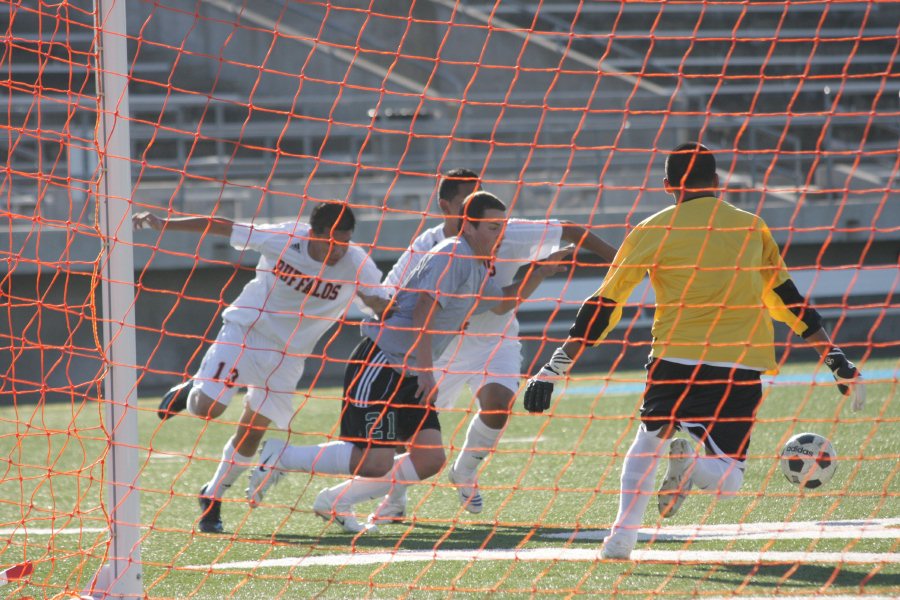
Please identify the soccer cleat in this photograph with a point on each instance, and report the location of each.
(469, 496)
(175, 400)
(266, 474)
(616, 547)
(210, 513)
(329, 508)
(389, 511)
(677, 481)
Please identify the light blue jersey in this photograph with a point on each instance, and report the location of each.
(461, 284)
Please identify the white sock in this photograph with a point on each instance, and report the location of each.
(721, 476)
(231, 466)
(361, 489)
(638, 481)
(480, 441)
(332, 458)
(402, 476)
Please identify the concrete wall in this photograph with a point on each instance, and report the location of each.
(49, 351)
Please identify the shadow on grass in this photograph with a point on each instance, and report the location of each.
(421, 536)
(788, 576)
(463, 535)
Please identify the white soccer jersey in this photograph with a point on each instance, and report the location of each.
(420, 246)
(524, 241)
(294, 299)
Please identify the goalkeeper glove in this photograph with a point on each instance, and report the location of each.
(847, 376)
(539, 390)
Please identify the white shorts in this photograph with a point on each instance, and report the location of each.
(477, 361)
(242, 358)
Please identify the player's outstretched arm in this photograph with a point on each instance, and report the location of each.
(213, 225)
(573, 233)
(596, 317)
(517, 291)
(786, 304)
(379, 305)
(848, 378)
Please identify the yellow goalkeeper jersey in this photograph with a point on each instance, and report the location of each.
(715, 270)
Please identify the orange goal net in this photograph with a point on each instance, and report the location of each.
(165, 164)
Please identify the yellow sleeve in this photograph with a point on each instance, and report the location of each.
(628, 267)
(602, 311)
(781, 297)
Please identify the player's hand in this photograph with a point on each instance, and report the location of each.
(538, 394)
(146, 220)
(848, 378)
(427, 388)
(382, 307)
(557, 262)
(539, 390)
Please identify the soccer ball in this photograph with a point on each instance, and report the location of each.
(808, 460)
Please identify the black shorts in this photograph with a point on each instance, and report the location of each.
(716, 405)
(380, 407)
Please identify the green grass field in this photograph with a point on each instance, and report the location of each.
(551, 475)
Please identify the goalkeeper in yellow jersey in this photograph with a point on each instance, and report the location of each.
(719, 280)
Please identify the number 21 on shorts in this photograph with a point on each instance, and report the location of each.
(375, 425)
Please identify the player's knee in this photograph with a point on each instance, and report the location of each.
(197, 402)
(429, 462)
(201, 405)
(375, 464)
(493, 419)
(495, 402)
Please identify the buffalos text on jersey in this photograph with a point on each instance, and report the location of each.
(307, 284)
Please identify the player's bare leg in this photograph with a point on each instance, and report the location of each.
(187, 396)
(425, 459)
(201, 405)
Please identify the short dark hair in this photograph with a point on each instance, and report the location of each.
(452, 180)
(691, 165)
(332, 216)
(477, 204)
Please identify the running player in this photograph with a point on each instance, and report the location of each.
(305, 280)
(487, 358)
(719, 280)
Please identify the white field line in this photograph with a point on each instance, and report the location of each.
(872, 528)
(558, 554)
(47, 531)
(522, 440)
(854, 529)
(164, 456)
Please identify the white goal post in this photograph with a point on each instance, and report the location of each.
(121, 575)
